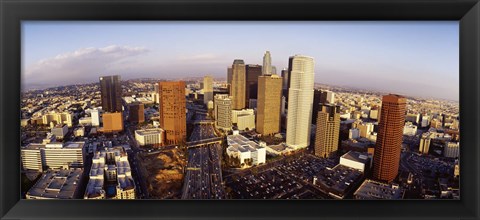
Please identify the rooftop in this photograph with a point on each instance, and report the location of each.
(59, 126)
(356, 156)
(340, 180)
(58, 184)
(375, 190)
(240, 143)
(149, 131)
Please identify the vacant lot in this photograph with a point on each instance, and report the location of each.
(163, 173)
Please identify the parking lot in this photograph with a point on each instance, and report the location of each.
(292, 179)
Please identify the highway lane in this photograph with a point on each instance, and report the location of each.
(203, 178)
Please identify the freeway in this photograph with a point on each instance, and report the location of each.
(203, 177)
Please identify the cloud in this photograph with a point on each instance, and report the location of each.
(206, 58)
(82, 65)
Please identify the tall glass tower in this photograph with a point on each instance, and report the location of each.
(300, 103)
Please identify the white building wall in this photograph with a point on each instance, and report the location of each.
(352, 164)
(95, 114)
(300, 101)
(452, 149)
(353, 133)
(31, 159)
(246, 121)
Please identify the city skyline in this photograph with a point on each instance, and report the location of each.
(397, 57)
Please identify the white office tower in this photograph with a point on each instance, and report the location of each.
(95, 113)
(267, 64)
(330, 97)
(207, 89)
(300, 101)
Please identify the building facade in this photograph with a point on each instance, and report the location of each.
(112, 122)
(237, 90)
(389, 138)
(267, 64)
(300, 101)
(452, 149)
(243, 118)
(111, 93)
(149, 136)
(60, 130)
(223, 111)
(252, 74)
(328, 131)
(425, 142)
(95, 115)
(58, 118)
(55, 155)
(247, 152)
(269, 104)
(172, 109)
(207, 89)
(136, 112)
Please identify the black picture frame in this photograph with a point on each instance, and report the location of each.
(12, 12)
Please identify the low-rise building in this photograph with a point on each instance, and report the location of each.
(409, 129)
(79, 132)
(353, 133)
(110, 175)
(85, 121)
(356, 160)
(55, 155)
(60, 130)
(112, 122)
(339, 182)
(152, 136)
(371, 189)
(57, 184)
(413, 117)
(247, 152)
(58, 118)
(49, 138)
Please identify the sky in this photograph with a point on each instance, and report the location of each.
(413, 58)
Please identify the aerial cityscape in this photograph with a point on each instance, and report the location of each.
(255, 131)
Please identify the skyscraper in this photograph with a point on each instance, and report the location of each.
(285, 78)
(300, 99)
(285, 84)
(111, 93)
(321, 97)
(223, 111)
(136, 112)
(328, 130)
(269, 104)
(172, 111)
(229, 79)
(237, 90)
(207, 89)
(252, 74)
(267, 64)
(386, 158)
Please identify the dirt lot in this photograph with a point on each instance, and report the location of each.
(163, 173)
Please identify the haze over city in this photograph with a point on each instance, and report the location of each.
(410, 58)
